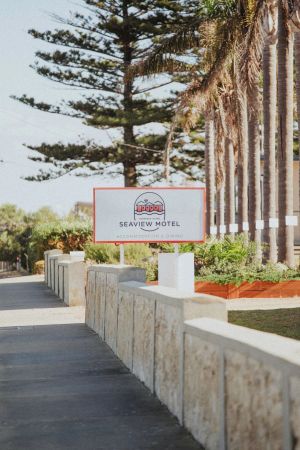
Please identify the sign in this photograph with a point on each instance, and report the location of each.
(123, 215)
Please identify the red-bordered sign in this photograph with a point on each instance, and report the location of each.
(149, 214)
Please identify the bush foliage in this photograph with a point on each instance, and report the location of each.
(139, 255)
(64, 235)
(233, 261)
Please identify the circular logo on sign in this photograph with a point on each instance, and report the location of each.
(149, 210)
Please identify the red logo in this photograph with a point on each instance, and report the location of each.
(149, 207)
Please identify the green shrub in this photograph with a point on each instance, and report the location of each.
(139, 255)
(66, 236)
(233, 261)
(102, 253)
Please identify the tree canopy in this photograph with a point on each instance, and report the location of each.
(94, 50)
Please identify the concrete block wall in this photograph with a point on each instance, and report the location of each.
(47, 256)
(232, 387)
(242, 387)
(143, 325)
(65, 274)
(72, 282)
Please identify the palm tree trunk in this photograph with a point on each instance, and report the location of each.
(254, 168)
(210, 177)
(297, 64)
(229, 184)
(221, 209)
(242, 165)
(269, 113)
(285, 134)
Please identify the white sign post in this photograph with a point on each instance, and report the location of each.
(125, 215)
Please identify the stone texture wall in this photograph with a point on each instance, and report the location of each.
(143, 325)
(295, 411)
(241, 387)
(143, 340)
(47, 255)
(202, 395)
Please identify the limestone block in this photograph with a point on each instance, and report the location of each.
(104, 305)
(202, 396)
(125, 328)
(66, 282)
(205, 306)
(143, 340)
(101, 293)
(90, 294)
(295, 411)
(111, 310)
(46, 267)
(60, 281)
(52, 272)
(254, 408)
(168, 354)
(47, 255)
(97, 300)
(77, 281)
(57, 259)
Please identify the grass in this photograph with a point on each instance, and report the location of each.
(285, 322)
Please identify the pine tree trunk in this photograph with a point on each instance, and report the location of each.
(242, 166)
(285, 134)
(297, 64)
(269, 113)
(254, 169)
(229, 184)
(130, 173)
(210, 177)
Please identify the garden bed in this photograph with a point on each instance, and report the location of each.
(256, 289)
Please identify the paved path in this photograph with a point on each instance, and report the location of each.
(248, 304)
(62, 388)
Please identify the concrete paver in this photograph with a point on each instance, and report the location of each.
(62, 388)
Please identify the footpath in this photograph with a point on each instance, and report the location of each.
(62, 388)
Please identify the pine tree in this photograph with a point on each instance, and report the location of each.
(94, 51)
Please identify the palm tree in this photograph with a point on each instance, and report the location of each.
(285, 134)
(226, 32)
(210, 174)
(296, 22)
(228, 122)
(220, 176)
(254, 167)
(242, 164)
(269, 119)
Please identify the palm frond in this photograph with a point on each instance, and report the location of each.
(251, 51)
(158, 60)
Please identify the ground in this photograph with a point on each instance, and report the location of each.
(285, 322)
(62, 388)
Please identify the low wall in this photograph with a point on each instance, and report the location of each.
(47, 255)
(232, 387)
(144, 326)
(65, 274)
(71, 280)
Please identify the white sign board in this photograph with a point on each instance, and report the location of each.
(149, 215)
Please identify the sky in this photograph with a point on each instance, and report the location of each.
(20, 124)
